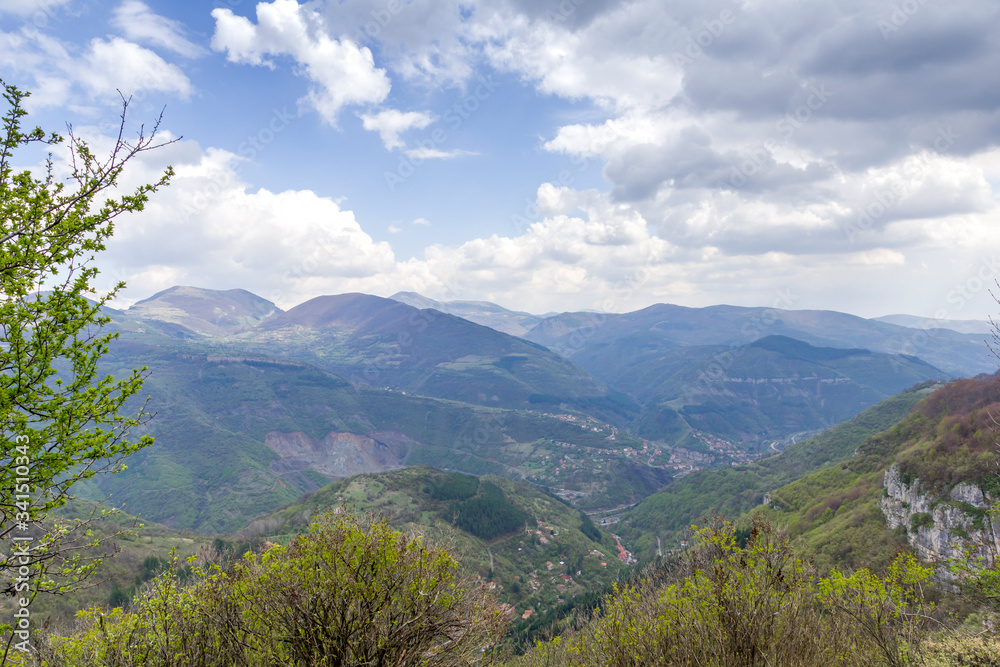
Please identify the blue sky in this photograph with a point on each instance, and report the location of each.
(547, 156)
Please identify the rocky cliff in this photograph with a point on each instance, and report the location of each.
(940, 528)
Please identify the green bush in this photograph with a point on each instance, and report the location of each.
(749, 605)
(921, 520)
(588, 528)
(453, 486)
(962, 651)
(350, 592)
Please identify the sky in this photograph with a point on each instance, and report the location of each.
(544, 155)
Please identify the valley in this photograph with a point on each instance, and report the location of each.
(359, 404)
(255, 406)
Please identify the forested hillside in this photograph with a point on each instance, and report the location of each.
(545, 558)
(669, 513)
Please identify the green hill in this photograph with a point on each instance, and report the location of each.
(594, 340)
(541, 553)
(754, 394)
(379, 342)
(947, 440)
(203, 311)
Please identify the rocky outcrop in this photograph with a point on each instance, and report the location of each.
(941, 528)
(338, 454)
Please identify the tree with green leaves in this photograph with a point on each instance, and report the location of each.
(61, 421)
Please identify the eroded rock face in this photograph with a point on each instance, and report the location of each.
(951, 529)
(338, 454)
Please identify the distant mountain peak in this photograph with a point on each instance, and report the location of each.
(205, 311)
(486, 313)
(348, 310)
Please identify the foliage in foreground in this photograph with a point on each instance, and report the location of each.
(746, 598)
(356, 592)
(61, 422)
(350, 592)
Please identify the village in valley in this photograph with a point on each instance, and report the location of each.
(558, 461)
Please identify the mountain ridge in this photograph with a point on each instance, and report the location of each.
(203, 311)
(486, 313)
(664, 327)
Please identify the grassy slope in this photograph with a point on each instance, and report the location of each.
(949, 438)
(732, 491)
(518, 557)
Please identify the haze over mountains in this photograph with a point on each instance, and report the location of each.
(961, 326)
(817, 327)
(257, 405)
(488, 314)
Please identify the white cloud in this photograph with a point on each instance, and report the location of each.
(118, 64)
(561, 261)
(584, 251)
(39, 10)
(601, 61)
(342, 72)
(424, 41)
(65, 74)
(423, 222)
(139, 24)
(425, 153)
(392, 122)
(669, 137)
(691, 96)
(210, 229)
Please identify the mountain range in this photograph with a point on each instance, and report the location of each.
(256, 406)
(593, 339)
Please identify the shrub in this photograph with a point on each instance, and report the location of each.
(749, 605)
(962, 651)
(453, 486)
(350, 592)
(588, 528)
